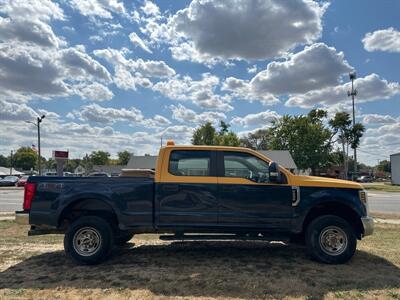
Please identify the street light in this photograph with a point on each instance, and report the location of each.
(353, 93)
(37, 124)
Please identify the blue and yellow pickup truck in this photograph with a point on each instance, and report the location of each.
(200, 193)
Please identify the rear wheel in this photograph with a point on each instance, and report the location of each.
(331, 239)
(89, 240)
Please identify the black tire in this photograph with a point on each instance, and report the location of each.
(122, 238)
(331, 240)
(89, 232)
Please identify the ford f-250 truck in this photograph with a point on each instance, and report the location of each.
(200, 193)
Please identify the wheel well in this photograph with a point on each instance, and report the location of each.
(337, 209)
(87, 207)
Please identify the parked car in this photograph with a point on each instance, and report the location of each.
(200, 193)
(9, 181)
(22, 180)
(365, 178)
(98, 174)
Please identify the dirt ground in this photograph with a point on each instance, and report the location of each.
(147, 268)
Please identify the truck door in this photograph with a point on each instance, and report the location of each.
(187, 195)
(247, 198)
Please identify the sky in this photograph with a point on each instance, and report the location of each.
(113, 75)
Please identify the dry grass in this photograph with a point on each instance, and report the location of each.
(36, 268)
(382, 187)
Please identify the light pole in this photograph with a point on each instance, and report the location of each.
(353, 93)
(37, 124)
(11, 162)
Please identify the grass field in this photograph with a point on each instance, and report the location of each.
(382, 187)
(36, 268)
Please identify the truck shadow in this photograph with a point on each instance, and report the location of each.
(208, 269)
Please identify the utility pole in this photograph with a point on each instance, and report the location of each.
(353, 93)
(11, 162)
(37, 124)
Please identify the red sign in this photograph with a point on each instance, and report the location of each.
(60, 154)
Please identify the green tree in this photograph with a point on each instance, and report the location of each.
(124, 157)
(306, 137)
(25, 158)
(384, 166)
(99, 157)
(258, 140)
(208, 135)
(341, 125)
(4, 161)
(72, 164)
(204, 135)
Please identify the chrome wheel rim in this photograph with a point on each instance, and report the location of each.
(333, 240)
(87, 241)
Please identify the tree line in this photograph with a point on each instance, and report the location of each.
(309, 138)
(25, 158)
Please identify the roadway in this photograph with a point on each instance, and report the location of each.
(386, 202)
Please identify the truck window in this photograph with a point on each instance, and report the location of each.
(244, 165)
(190, 163)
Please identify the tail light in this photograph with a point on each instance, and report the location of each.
(30, 189)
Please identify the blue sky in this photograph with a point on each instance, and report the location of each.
(115, 75)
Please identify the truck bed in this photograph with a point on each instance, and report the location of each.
(131, 198)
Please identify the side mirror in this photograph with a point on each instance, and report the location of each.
(274, 175)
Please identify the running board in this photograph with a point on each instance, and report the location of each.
(219, 237)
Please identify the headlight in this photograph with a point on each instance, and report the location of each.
(363, 195)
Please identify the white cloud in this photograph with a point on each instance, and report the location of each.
(94, 91)
(200, 92)
(382, 40)
(128, 72)
(151, 9)
(379, 119)
(186, 115)
(27, 70)
(242, 89)
(315, 67)
(181, 134)
(248, 29)
(81, 66)
(44, 10)
(137, 41)
(16, 112)
(252, 69)
(109, 115)
(31, 31)
(262, 119)
(370, 88)
(98, 8)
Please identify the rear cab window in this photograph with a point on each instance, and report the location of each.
(190, 163)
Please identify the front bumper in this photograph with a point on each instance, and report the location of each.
(368, 224)
(22, 217)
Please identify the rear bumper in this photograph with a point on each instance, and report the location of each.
(368, 224)
(22, 217)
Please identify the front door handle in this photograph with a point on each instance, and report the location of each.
(171, 188)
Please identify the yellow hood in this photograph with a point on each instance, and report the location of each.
(315, 181)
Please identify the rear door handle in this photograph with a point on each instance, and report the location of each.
(171, 188)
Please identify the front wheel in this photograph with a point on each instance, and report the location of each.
(331, 239)
(89, 240)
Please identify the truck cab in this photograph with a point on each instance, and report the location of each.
(201, 192)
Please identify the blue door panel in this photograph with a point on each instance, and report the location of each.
(186, 204)
(258, 206)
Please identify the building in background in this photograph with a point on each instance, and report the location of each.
(282, 157)
(142, 162)
(395, 167)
